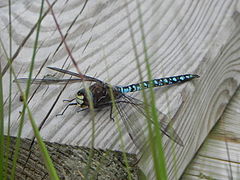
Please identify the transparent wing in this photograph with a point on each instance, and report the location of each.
(47, 80)
(136, 129)
(86, 78)
(50, 79)
(131, 110)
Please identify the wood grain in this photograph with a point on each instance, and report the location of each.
(199, 37)
(219, 156)
(70, 162)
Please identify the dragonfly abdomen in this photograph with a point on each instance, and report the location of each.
(156, 83)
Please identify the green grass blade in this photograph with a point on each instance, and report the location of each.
(114, 109)
(160, 169)
(17, 146)
(155, 139)
(117, 124)
(155, 142)
(48, 162)
(7, 146)
(1, 126)
(46, 157)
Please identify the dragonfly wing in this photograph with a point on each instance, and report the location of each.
(47, 80)
(86, 78)
(166, 127)
(136, 129)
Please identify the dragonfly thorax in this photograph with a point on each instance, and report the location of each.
(99, 94)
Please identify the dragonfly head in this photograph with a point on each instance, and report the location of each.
(81, 99)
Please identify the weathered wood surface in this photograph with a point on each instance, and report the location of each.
(182, 37)
(219, 156)
(71, 162)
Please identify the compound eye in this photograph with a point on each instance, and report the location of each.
(79, 93)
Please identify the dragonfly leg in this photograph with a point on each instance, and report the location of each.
(111, 110)
(68, 100)
(80, 110)
(70, 104)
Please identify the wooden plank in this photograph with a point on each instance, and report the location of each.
(219, 156)
(182, 37)
(208, 168)
(71, 162)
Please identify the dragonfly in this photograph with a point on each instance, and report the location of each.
(102, 94)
